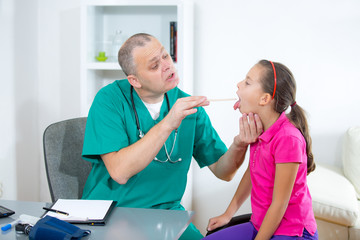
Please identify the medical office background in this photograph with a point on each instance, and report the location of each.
(40, 59)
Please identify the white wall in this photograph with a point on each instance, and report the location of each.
(317, 40)
(59, 69)
(7, 103)
(26, 92)
(40, 42)
(19, 151)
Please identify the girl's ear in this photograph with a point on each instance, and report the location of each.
(265, 99)
(134, 81)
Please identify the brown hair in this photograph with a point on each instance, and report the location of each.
(285, 96)
(125, 54)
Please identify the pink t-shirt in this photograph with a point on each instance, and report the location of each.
(281, 143)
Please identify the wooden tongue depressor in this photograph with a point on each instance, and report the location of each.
(222, 99)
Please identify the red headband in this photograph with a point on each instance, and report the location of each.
(272, 64)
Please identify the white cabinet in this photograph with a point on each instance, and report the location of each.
(101, 19)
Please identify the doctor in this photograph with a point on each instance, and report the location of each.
(142, 133)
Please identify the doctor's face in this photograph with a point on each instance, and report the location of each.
(154, 68)
(250, 91)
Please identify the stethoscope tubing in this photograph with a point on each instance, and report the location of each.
(141, 134)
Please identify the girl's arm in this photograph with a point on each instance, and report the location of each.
(227, 165)
(241, 194)
(285, 176)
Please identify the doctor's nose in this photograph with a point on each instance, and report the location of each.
(166, 65)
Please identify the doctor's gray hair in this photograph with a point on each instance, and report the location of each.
(125, 54)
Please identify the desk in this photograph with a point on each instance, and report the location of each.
(123, 223)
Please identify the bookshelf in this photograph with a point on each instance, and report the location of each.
(101, 19)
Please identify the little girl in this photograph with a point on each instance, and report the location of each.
(279, 162)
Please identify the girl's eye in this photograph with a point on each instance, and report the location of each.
(247, 83)
(165, 56)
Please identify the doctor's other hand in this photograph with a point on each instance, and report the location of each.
(184, 107)
(250, 129)
(218, 221)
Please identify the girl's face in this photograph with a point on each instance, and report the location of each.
(250, 91)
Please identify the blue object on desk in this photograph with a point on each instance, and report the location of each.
(56, 229)
(10, 225)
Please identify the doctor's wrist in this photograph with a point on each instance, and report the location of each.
(165, 127)
(240, 146)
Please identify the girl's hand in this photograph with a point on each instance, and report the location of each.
(250, 130)
(218, 221)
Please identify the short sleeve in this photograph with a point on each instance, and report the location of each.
(208, 147)
(289, 149)
(105, 130)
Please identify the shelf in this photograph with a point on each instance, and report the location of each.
(107, 66)
(103, 66)
(101, 19)
(131, 2)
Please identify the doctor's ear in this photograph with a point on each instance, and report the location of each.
(265, 99)
(134, 81)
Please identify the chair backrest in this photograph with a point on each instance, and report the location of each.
(65, 169)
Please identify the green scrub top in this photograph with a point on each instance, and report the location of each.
(111, 126)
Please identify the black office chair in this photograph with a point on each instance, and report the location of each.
(234, 221)
(65, 169)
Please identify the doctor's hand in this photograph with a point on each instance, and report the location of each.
(184, 107)
(250, 130)
(217, 222)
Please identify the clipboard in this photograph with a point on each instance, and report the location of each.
(81, 211)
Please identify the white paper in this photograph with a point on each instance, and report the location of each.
(80, 210)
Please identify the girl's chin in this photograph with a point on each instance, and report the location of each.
(245, 112)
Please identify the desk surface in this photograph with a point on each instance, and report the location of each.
(123, 223)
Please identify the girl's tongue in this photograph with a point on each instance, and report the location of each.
(236, 105)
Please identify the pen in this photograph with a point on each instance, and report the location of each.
(56, 211)
(10, 225)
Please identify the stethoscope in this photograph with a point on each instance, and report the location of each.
(141, 134)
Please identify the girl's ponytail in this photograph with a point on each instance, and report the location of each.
(298, 118)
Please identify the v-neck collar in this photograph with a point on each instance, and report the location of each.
(145, 119)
